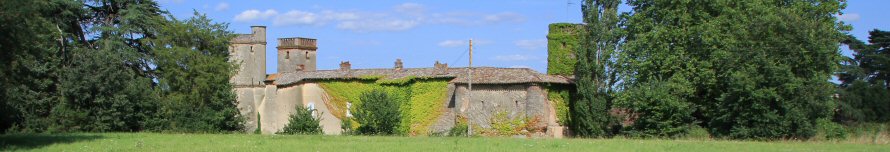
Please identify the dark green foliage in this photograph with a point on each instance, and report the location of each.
(302, 122)
(863, 102)
(658, 112)
(864, 92)
(259, 126)
(30, 63)
(100, 65)
(193, 74)
(831, 130)
(595, 74)
(751, 69)
(378, 113)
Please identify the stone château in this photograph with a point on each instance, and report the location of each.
(266, 100)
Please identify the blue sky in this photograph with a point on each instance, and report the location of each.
(506, 33)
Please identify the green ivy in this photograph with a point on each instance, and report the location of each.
(559, 97)
(563, 40)
(420, 99)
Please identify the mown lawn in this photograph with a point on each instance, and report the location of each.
(249, 142)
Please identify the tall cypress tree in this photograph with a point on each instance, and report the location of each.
(595, 72)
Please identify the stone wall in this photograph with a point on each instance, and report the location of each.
(276, 109)
(488, 100)
(315, 95)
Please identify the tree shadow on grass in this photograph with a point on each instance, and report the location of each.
(33, 141)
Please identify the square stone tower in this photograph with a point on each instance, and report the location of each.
(296, 54)
(249, 52)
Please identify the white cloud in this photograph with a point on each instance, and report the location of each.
(454, 18)
(849, 17)
(453, 43)
(172, 1)
(250, 15)
(222, 6)
(474, 19)
(401, 17)
(367, 42)
(413, 9)
(521, 66)
(504, 17)
(377, 25)
(531, 44)
(296, 17)
(462, 43)
(514, 57)
(339, 16)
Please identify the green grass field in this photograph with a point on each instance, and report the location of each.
(250, 142)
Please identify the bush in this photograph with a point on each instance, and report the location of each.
(302, 122)
(658, 112)
(863, 102)
(831, 130)
(501, 124)
(460, 127)
(377, 114)
(346, 126)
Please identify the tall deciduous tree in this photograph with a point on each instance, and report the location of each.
(103, 65)
(595, 71)
(751, 69)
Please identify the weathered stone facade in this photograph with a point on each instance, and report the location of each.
(248, 51)
(267, 105)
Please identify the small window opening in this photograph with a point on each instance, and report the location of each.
(307, 55)
(251, 49)
(287, 56)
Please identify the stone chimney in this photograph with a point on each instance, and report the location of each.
(398, 66)
(440, 68)
(345, 66)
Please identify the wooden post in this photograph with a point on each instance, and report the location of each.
(470, 86)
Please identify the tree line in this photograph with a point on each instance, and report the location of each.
(757, 69)
(112, 65)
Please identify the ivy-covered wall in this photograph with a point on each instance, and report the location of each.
(562, 41)
(421, 99)
(559, 97)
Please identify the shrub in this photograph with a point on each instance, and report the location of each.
(346, 126)
(378, 113)
(503, 125)
(863, 102)
(831, 130)
(659, 113)
(460, 127)
(259, 125)
(302, 122)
